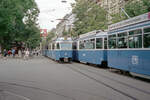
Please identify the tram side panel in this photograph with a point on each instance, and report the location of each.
(118, 59)
(139, 61)
(92, 56)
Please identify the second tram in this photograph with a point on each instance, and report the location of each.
(91, 48)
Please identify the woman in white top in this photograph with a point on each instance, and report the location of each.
(26, 54)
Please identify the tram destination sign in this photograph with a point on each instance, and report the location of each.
(134, 20)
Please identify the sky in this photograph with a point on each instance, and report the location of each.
(51, 10)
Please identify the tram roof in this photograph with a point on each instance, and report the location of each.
(93, 34)
(64, 39)
(131, 21)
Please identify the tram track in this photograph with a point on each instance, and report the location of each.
(130, 86)
(35, 88)
(78, 70)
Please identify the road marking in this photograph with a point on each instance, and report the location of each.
(13, 94)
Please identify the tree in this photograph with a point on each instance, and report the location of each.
(17, 21)
(90, 16)
(135, 8)
(118, 17)
(51, 34)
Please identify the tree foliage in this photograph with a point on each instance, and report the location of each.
(51, 34)
(133, 8)
(90, 16)
(18, 22)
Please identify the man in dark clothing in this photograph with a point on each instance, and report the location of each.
(5, 52)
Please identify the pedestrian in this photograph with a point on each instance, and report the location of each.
(9, 52)
(26, 56)
(5, 53)
(19, 53)
(37, 52)
(0, 53)
(13, 52)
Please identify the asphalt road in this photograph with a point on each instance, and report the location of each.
(40, 78)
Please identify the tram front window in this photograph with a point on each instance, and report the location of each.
(66, 46)
(147, 37)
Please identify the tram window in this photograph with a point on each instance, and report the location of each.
(147, 37)
(147, 30)
(135, 41)
(53, 46)
(146, 40)
(99, 43)
(122, 40)
(58, 46)
(46, 47)
(138, 31)
(74, 46)
(105, 43)
(89, 44)
(112, 41)
(49, 47)
(81, 45)
(92, 41)
(122, 34)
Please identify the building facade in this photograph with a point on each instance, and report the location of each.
(66, 24)
(111, 6)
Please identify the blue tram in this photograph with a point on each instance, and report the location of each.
(60, 49)
(129, 45)
(91, 48)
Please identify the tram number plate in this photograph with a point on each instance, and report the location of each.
(135, 60)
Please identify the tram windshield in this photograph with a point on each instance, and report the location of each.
(66, 46)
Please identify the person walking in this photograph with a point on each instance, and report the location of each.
(0, 53)
(13, 52)
(5, 53)
(9, 52)
(19, 53)
(26, 56)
